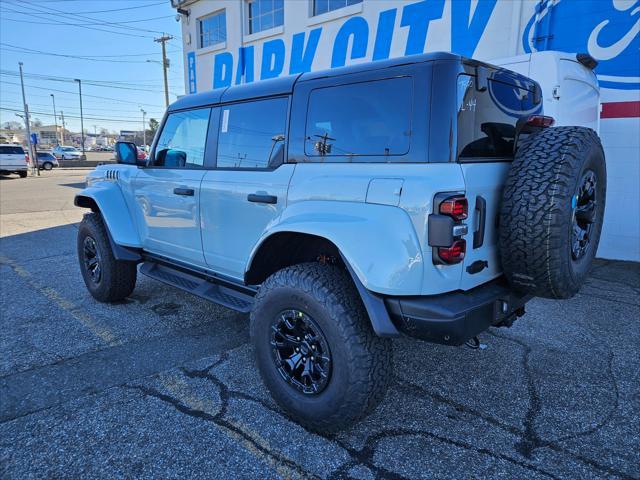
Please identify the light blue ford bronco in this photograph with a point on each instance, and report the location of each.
(422, 196)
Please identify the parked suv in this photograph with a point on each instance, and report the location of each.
(424, 196)
(13, 159)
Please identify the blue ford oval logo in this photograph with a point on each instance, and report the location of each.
(608, 30)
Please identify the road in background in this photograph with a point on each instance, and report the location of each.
(163, 384)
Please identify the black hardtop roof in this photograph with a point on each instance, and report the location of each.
(284, 85)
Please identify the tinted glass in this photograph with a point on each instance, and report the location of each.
(252, 134)
(370, 118)
(487, 119)
(45, 155)
(11, 150)
(183, 139)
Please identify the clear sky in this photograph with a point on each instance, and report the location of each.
(115, 39)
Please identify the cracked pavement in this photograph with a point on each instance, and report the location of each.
(164, 384)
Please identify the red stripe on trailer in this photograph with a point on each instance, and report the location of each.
(620, 110)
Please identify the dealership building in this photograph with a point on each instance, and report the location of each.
(229, 42)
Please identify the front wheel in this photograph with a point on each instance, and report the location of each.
(47, 165)
(23, 174)
(106, 278)
(315, 347)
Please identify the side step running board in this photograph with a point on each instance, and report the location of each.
(228, 297)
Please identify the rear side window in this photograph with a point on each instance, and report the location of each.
(360, 120)
(252, 134)
(11, 150)
(487, 119)
(183, 138)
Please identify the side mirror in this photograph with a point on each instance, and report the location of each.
(127, 153)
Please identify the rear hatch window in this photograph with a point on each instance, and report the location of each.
(487, 116)
(11, 150)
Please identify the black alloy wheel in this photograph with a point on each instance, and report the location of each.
(301, 352)
(584, 204)
(92, 260)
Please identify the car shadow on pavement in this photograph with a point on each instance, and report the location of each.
(161, 376)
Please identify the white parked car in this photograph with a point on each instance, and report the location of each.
(63, 152)
(13, 159)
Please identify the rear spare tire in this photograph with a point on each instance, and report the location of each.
(552, 210)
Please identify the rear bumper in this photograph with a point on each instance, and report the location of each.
(453, 318)
(14, 168)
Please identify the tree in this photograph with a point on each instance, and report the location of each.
(36, 122)
(104, 132)
(13, 125)
(153, 127)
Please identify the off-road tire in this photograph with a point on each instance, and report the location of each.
(538, 208)
(361, 361)
(118, 278)
(23, 174)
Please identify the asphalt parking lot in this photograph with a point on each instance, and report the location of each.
(163, 385)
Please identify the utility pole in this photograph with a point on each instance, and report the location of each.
(144, 129)
(165, 65)
(81, 118)
(34, 160)
(55, 117)
(63, 126)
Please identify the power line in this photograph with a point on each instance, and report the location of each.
(113, 9)
(84, 17)
(150, 54)
(36, 13)
(80, 24)
(86, 95)
(100, 84)
(121, 120)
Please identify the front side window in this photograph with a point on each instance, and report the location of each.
(252, 134)
(324, 6)
(183, 139)
(360, 119)
(213, 29)
(265, 14)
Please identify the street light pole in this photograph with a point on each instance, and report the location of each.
(144, 129)
(34, 160)
(165, 65)
(63, 126)
(55, 117)
(81, 117)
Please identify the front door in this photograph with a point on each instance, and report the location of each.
(248, 188)
(167, 192)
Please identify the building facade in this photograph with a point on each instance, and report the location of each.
(229, 42)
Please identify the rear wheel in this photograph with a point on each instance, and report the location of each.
(23, 174)
(47, 165)
(315, 347)
(552, 211)
(106, 278)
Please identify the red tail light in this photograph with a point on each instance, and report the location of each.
(455, 207)
(26, 158)
(454, 253)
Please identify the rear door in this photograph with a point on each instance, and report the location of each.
(167, 192)
(487, 115)
(248, 188)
